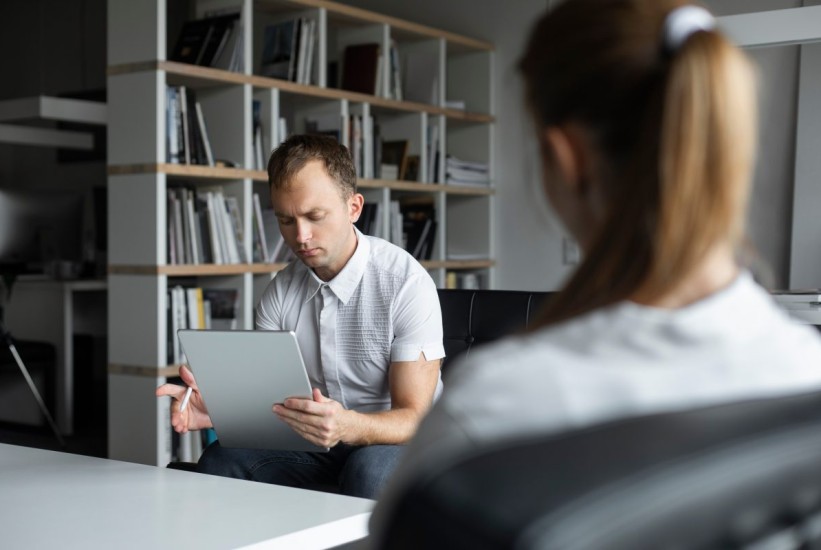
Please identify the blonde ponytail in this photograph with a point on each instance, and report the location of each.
(676, 129)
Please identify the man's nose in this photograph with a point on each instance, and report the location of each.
(303, 231)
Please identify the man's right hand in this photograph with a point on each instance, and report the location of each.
(195, 416)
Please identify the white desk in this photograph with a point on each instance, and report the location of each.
(52, 311)
(59, 500)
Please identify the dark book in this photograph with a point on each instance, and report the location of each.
(220, 31)
(293, 62)
(279, 49)
(417, 224)
(192, 41)
(202, 220)
(360, 68)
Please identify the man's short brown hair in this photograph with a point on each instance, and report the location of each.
(296, 151)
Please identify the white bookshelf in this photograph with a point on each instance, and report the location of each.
(138, 174)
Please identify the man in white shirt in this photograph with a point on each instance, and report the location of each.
(368, 321)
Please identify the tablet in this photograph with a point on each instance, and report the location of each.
(241, 374)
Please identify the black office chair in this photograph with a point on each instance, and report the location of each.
(741, 475)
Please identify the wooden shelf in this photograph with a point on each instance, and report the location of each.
(203, 77)
(341, 12)
(194, 171)
(205, 270)
(211, 173)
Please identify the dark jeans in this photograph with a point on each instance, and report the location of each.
(354, 471)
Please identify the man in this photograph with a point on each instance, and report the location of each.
(368, 321)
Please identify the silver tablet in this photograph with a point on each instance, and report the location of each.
(241, 374)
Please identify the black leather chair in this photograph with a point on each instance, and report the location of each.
(474, 317)
(739, 475)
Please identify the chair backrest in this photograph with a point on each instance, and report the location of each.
(473, 317)
(739, 475)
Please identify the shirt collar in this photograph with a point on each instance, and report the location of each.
(346, 281)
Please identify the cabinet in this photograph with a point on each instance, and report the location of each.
(139, 176)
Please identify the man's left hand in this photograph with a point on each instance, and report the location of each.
(321, 421)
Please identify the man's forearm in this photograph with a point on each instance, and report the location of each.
(392, 427)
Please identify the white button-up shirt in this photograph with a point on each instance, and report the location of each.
(381, 308)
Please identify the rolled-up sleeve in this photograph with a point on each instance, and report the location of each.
(417, 321)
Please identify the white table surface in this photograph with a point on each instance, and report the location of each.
(58, 500)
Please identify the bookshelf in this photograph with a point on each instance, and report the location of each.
(140, 39)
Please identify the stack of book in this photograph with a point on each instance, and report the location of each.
(185, 131)
(462, 172)
(204, 227)
(288, 51)
(211, 42)
(198, 308)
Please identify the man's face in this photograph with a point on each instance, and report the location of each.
(315, 220)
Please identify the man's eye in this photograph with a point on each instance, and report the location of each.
(285, 222)
(316, 218)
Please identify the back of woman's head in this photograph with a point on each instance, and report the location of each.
(672, 118)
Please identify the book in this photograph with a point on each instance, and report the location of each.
(360, 67)
(203, 130)
(417, 226)
(191, 42)
(186, 138)
(172, 144)
(396, 74)
(221, 27)
(235, 217)
(309, 53)
(230, 57)
(395, 153)
(260, 238)
(201, 41)
(279, 48)
(172, 230)
(224, 304)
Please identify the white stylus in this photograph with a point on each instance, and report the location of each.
(186, 398)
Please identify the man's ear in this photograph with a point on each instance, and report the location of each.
(563, 147)
(355, 204)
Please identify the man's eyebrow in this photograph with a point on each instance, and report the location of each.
(308, 213)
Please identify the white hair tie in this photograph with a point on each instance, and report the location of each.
(683, 22)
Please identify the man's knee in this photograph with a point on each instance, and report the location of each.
(368, 469)
(219, 461)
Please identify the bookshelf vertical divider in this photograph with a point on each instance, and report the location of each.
(140, 176)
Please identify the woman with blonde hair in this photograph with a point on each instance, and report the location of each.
(645, 116)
